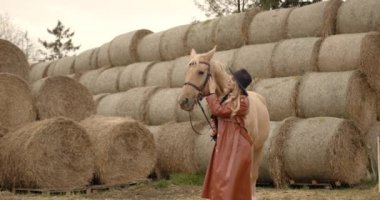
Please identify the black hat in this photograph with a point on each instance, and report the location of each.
(243, 78)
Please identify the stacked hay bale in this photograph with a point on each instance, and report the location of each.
(83, 62)
(13, 60)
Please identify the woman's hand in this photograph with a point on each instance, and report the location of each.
(211, 133)
(212, 85)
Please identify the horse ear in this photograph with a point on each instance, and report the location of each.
(210, 54)
(193, 53)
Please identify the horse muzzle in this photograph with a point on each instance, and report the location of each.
(186, 104)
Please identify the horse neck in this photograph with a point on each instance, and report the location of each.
(220, 77)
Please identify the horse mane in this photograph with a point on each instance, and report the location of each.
(220, 76)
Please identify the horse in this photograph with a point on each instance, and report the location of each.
(199, 70)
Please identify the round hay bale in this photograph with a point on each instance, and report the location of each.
(134, 75)
(64, 66)
(75, 76)
(280, 95)
(256, 59)
(38, 71)
(370, 141)
(337, 94)
(323, 149)
(103, 56)
(232, 30)
(108, 105)
(94, 59)
(295, 56)
(177, 78)
(13, 60)
(88, 79)
(98, 97)
(201, 36)
(123, 49)
(163, 106)
(317, 19)
(62, 96)
(50, 68)
(3, 131)
(356, 16)
(50, 154)
(125, 149)
(203, 148)
(173, 42)
(83, 61)
(378, 106)
(16, 102)
(107, 81)
(148, 49)
(268, 26)
(159, 74)
(225, 58)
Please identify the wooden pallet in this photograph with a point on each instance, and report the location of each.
(316, 185)
(86, 190)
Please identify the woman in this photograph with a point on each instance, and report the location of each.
(228, 173)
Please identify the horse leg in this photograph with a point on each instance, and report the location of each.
(257, 157)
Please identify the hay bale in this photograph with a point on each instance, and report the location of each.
(3, 131)
(177, 78)
(352, 97)
(370, 141)
(62, 96)
(125, 149)
(38, 71)
(108, 105)
(88, 79)
(356, 16)
(203, 148)
(83, 61)
(322, 149)
(162, 106)
(378, 106)
(148, 49)
(317, 19)
(225, 58)
(201, 36)
(256, 59)
(123, 49)
(98, 97)
(94, 59)
(159, 74)
(280, 95)
(50, 154)
(50, 68)
(134, 75)
(268, 26)
(107, 81)
(232, 30)
(16, 102)
(13, 60)
(103, 56)
(64, 66)
(173, 42)
(295, 56)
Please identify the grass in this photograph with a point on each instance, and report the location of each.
(180, 180)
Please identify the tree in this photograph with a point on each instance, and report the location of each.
(61, 46)
(217, 8)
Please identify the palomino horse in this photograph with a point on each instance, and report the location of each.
(198, 73)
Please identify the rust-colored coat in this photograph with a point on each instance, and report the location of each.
(228, 173)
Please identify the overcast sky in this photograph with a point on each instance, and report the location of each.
(98, 21)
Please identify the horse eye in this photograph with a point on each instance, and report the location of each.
(201, 72)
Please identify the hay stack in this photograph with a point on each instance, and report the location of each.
(201, 36)
(314, 20)
(108, 80)
(337, 94)
(232, 30)
(103, 56)
(38, 71)
(148, 49)
(177, 78)
(50, 154)
(94, 59)
(83, 61)
(16, 102)
(134, 75)
(268, 26)
(13, 60)
(159, 74)
(125, 149)
(225, 58)
(203, 148)
(173, 42)
(356, 16)
(123, 49)
(98, 97)
(280, 95)
(162, 106)
(256, 59)
(295, 56)
(321, 149)
(370, 142)
(64, 66)
(62, 96)
(88, 79)
(353, 51)
(50, 69)
(108, 106)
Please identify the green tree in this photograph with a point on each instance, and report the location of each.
(62, 45)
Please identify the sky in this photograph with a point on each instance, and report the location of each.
(98, 21)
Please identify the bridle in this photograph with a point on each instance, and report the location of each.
(200, 94)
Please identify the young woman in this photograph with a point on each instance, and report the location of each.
(228, 174)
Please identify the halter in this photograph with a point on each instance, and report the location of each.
(200, 95)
